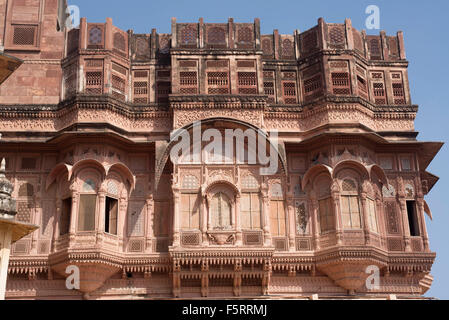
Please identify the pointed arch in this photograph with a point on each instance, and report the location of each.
(375, 169)
(163, 152)
(60, 169)
(230, 185)
(351, 164)
(125, 171)
(312, 172)
(87, 163)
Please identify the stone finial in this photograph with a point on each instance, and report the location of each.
(3, 166)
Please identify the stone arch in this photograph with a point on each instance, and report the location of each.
(375, 170)
(124, 172)
(164, 154)
(88, 163)
(351, 164)
(26, 190)
(313, 172)
(57, 171)
(222, 186)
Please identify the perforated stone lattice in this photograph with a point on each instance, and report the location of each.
(24, 35)
(95, 36)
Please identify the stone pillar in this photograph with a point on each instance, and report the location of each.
(109, 36)
(238, 226)
(349, 36)
(276, 44)
(56, 226)
(313, 203)
(204, 221)
(337, 213)
(149, 232)
(174, 32)
(121, 219)
(74, 215)
(231, 33)
(83, 33)
(36, 219)
(5, 249)
(265, 216)
(405, 225)
(291, 224)
(424, 236)
(176, 217)
(364, 212)
(201, 33)
(100, 223)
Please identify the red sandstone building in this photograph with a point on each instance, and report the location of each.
(86, 123)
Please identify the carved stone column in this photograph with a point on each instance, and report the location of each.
(265, 215)
(56, 226)
(422, 219)
(238, 226)
(121, 220)
(73, 217)
(404, 216)
(364, 212)
(204, 221)
(176, 275)
(36, 220)
(101, 215)
(176, 217)
(291, 224)
(149, 232)
(405, 225)
(313, 203)
(335, 193)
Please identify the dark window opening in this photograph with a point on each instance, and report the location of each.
(412, 219)
(66, 214)
(110, 224)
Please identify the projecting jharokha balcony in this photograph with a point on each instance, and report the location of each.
(330, 106)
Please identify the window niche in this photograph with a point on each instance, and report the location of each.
(350, 205)
(413, 219)
(110, 217)
(87, 206)
(278, 216)
(220, 209)
(86, 215)
(66, 214)
(325, 208)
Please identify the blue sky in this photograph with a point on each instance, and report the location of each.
(426, 40)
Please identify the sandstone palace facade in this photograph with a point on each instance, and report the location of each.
(86, 123)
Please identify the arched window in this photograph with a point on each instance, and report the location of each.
(350, 205)
(220, 209)
(87, 206)
(325, 211)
